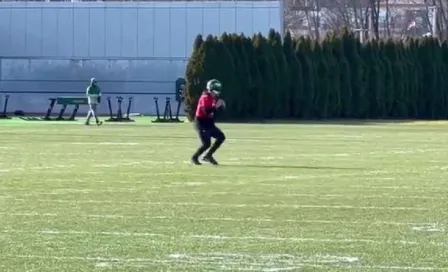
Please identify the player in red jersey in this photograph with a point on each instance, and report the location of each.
(205, 122)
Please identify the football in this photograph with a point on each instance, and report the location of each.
(221, 103)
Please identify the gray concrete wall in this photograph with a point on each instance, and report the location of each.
(32, 81)
(133, 48)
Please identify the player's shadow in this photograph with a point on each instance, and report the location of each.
(334, 121)
(270, 166)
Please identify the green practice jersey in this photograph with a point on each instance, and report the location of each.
(93, 93)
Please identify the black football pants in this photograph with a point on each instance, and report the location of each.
(206, 131)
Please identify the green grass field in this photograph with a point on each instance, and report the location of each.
(306, 197)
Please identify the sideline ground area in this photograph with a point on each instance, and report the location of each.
(317, 197)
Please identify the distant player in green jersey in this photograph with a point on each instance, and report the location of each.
(93, 94)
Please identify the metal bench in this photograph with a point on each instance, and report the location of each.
(65, 101)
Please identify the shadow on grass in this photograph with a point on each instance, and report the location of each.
(347, 122)
(289, 167)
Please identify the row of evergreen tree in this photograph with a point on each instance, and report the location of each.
(267, 77)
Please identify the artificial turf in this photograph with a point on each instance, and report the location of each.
(322, 196)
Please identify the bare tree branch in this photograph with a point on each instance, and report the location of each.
(378, 18)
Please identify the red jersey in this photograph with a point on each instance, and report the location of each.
(206, 106)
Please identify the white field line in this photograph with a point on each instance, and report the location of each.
(147, 162)
(222, 181)
(223, 219)
(152, 162)
(96, 165)
(54, 166)
(182, 174)
(143, 262)
(219, 176)
(230, 183)
(408, 268)
(237, 238)
(444, 167)
(391, 187)
(106, 143)
(150, 190)
(429, 228)
(317, 261)
(66, 166)
(117, 165)
(373, 174)
(292, 268)
(291, 206)
(348, 267)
